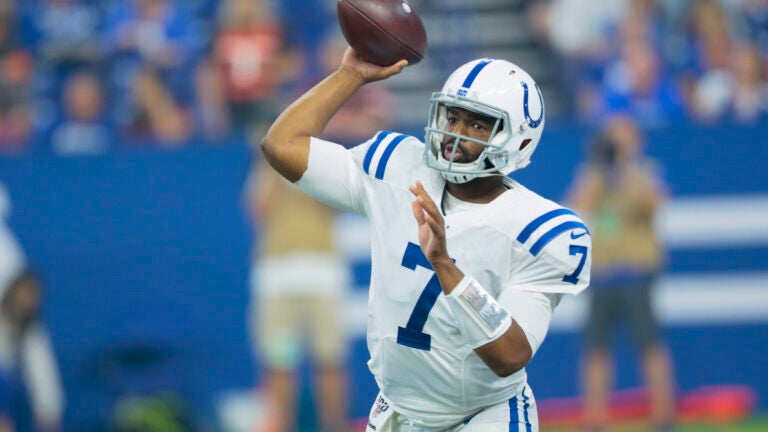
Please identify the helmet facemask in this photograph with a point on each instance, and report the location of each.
(489, 162)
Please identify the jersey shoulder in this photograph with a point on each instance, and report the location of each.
(391, 157)
(554, 242)
(537, 221)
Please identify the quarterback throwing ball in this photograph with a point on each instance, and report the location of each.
(468, 264)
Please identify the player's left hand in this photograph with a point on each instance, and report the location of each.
(431, 225)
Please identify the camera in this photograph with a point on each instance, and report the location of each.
(604, 151)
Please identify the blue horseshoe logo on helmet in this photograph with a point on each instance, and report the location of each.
(534, 123)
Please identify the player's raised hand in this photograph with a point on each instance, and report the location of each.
(431, 224)
(370, 72)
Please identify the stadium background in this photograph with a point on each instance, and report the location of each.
(145, 248)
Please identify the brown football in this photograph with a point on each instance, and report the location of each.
(383, 31)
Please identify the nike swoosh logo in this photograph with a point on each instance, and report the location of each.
(574, 236)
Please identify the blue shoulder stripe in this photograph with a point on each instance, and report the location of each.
(541, 220)
(554, 232)
(386, 155)
(372, 149)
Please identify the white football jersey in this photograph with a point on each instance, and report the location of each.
(520, 241)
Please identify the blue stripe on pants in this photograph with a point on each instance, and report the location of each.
(525, 412)
(513, 417)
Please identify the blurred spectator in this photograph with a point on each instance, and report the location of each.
(212, 117)
(157, 32)
(711, 35)
(664, 62)
(738, 94)
(576, 29)
(636, 84)
(709, 48)
(16, 114)
(151, 34)
(31, 397)
(156, 118)
(16, 67)
(84, 129)
(752, 24)
(249, 52)
(370, 109)
(298, 284)
(579, 34)
(619, 192)
(593, 44)
(9, 40)
(65, 34)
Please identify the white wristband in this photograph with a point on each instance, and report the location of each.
(481, 319)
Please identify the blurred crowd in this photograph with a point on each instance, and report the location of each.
(89, 76)
(86, 76)
(662, 62)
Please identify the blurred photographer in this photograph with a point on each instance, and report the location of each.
(618, 192)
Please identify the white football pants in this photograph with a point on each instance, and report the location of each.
(518, 414)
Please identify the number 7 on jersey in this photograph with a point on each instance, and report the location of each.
(412, 335)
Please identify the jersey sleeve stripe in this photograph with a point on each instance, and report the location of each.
(541, 220)
(372, 150)
(385, 156)
(554, 232)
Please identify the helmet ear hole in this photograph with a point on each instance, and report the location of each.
(525, 143)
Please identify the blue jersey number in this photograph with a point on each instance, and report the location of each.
(576, 250)
(412, 335)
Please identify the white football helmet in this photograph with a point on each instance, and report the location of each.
(497, 89)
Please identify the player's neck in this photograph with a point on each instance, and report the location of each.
(480, 190)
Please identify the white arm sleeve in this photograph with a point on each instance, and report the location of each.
(532, 311)
(332, 176)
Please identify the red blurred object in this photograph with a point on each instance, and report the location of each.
(715, 403)
(248, 61)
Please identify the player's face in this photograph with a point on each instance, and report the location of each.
(468, 123)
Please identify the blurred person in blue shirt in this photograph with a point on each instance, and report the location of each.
(157, 33)
(151, 34)
(85, 128)
(64, 34)
(618, 192)
(637, 84)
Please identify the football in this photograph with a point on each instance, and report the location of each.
(383, 31)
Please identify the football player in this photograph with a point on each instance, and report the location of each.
(467, 264)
